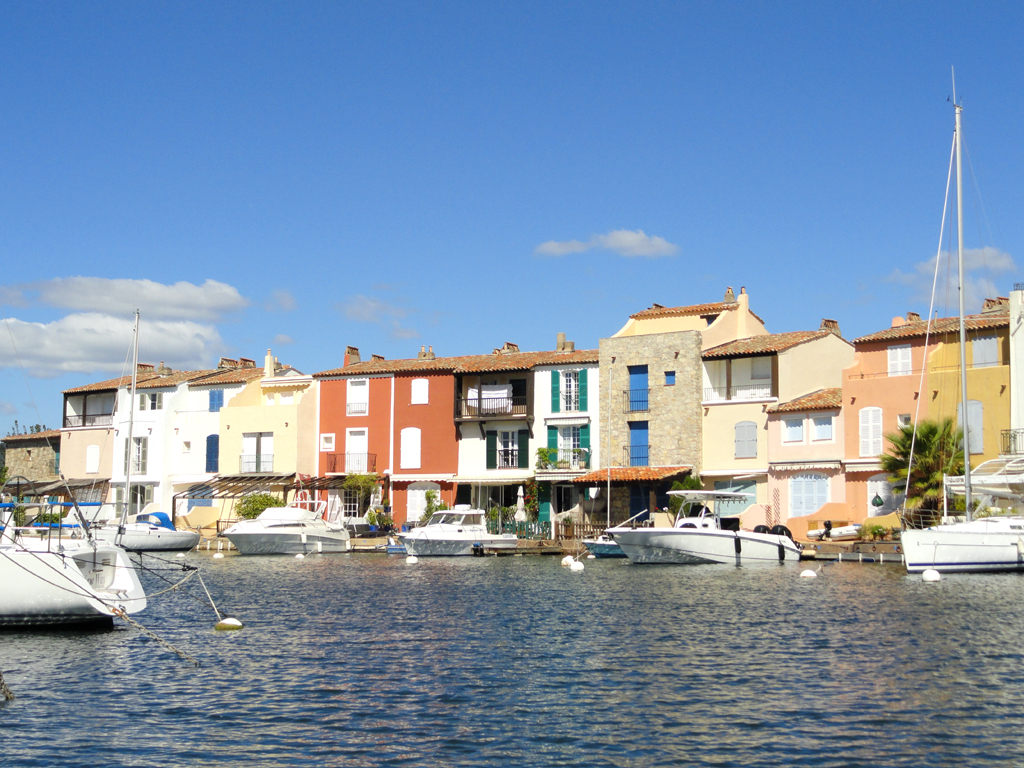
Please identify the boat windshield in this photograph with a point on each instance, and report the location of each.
(289, 513)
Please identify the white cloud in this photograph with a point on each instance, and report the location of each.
(988, 261)
(90, 341)
(366, 309)
(7, 409)
(281, 300)
(625, 242)
(180, 301)
(282, 340)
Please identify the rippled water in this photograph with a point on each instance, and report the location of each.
(365, 660)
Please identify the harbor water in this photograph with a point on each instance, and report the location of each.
(365, 660)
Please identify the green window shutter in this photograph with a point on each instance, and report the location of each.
(585, 436)
(492, 450)
(544, 497)
(556, 400)
(583, 389)
(552, 437)
(524, 449)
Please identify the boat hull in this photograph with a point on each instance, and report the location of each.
(294, 543)
(974, 547)
(688, 546)
(602, 549)
(455, 547)
(150, 539)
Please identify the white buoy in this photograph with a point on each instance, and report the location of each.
(180, 554)
(300, 556)
(227, 624)
(567, 561)
(591, 557)
(931, 575)
(412, 559)
(576, 566)
(218, 555)
(808, 574)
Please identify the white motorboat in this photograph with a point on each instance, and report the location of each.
(454, 532)
(986, 544)
(149, 532)
(298, 528)
(52, 577)
(703, 537)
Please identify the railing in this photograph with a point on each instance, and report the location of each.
(525, 529)
(508, 458)
(358, 409)
(636, 455)
(564, 458)
(90, 420)
(634, 400)
(740, 392)
(491, 407)
(570, 401)
(1012, 442)
(351, 462)
(258, 462)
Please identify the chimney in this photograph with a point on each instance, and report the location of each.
(351, 356)
(560, 342)
(508, 348)
(268, 366)
(163, 370)
(423, 352)
(913, 317)
(227, 362)
(570, 346)
(377, 358)
(430, 353)
(246, 362)
(831, 326)
(897, 322)
(730, 297)
(145, 368)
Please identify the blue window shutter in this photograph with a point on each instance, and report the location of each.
(524, 449)
(216, 400)
(583, 389)
(556, 399)
(213, 453)
(492, 450)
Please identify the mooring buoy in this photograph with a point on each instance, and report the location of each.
(227, 624)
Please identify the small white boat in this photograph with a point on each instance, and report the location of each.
(842, 533)
(705, 537)
(454, 532)
(603, 546)
(299, 528)
(149, 532)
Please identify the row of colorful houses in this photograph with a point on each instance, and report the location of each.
(796, 420)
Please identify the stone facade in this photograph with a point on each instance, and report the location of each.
(674, 410)
(35, 456)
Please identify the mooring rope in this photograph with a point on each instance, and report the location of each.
(152, 635)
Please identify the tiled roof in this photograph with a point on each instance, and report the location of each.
(999, 318)
(822, 400)
(632, 474)
(33, 435)
(229, 376)
(124, 381)
(657, 310)
(512, 361)
(149, 379)
(762, 345)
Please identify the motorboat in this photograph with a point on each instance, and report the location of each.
(149, 532)
(985, 544)
(298, 528)
(455, 532)
(55, 577)
(603, 546)
(698, 535)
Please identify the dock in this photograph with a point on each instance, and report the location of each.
(853, 551)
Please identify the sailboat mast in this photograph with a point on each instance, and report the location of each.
(963, 332)
(131, 424)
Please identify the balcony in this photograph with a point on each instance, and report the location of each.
(481, 409)
(90, 420)
(636, 455)
(1012, 443)
(256, 462)
(564, 459)
(636, 400)
(358, 409)
(759, 391)
(351, 463)
(508, 458)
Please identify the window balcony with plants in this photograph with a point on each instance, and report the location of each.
(554, 459)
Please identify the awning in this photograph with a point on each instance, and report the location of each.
(503, 479)
(793, 466)
(566, 421)
(626, 475)
(57, 487)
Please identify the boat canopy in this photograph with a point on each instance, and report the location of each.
(1002, 478)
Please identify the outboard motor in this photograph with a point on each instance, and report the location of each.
(828, 530)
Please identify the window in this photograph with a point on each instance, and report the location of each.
(761, 368)
(269, 398)
(670, 378)
(985, 351)
(213, 453)
(870, 431)
(903, 420)
(508, 450)
(153, 401)
(420, 391)
(357, 445)
(358, 397)
(286, 398)
(793, 431)
(570, 390)
(92, 459)
(822, 427)
(257, 452)
(410, 458)
(746, 440)
(807, 493)
(569, 438)
(138, 455)
(216, 400)
(186, 446)
(899, 360)
(975, 424)
(327, 442)
(349, 502)
(141, 495)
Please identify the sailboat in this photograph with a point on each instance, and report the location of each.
(985, 544)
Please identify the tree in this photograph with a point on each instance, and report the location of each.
(252, 505)
(363, 486)
(689, 483)
(938, 451)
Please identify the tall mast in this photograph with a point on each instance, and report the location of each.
(131, 424)
(963, 332)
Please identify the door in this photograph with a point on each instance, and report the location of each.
(356, 448)
(638, 447)
(638, 388)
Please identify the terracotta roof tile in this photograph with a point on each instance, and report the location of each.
(999, 318)
(822, 400)
(513, 361)
(715, 308)
(33, 435)
(632, 474)
(111, 384)
(229, 376)
(762, 345)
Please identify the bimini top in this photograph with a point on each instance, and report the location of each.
(711, 495)
(1002, 477)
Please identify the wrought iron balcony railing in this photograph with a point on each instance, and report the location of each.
(564, 458)
(636, 455)
(491, 407)
(508, 458)
(256, 462)
(352, 463)
(90, 420)
(1012, 443)
(358, 409)
(635, 400)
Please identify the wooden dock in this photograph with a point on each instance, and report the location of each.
(853, 551)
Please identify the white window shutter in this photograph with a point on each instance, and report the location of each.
(410, 449)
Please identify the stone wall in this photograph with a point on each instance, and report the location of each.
(32, 457)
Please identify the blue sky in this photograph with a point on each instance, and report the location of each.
(304, 176)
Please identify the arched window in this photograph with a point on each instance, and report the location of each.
(880, 487)
(746, 440)
(870, 431)
(807, 493)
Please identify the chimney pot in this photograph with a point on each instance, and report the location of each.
(730, 297)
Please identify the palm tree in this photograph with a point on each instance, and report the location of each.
(938, 451)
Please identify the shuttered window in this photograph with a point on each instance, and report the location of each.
(583, 389)
(410, 458)
(793, 430)
(556, 397)
(870, 431)
(216, 400)
(213, 453)
(524, 449)
(746, 440)
(420, 392)
(975, 424)
(899, 360)
(492, 450)
(985, 351)
(807, 493)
